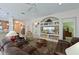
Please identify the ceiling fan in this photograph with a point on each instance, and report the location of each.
(31, 7)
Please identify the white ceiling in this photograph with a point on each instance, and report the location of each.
(35, 10)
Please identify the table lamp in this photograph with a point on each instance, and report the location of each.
(12, 35)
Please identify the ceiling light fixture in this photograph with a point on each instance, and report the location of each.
(59, 3)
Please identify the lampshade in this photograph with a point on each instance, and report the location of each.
(73, 50)
(11, 33)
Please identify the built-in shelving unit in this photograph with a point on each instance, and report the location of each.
(49, 28)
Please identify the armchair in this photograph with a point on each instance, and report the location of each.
(61, 46)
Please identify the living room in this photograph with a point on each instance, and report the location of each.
(45, 28)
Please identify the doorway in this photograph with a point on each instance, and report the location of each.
(18, 25)
(69, 28)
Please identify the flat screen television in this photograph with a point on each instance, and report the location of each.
(48, 29)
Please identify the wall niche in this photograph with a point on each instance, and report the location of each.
(4, 26)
